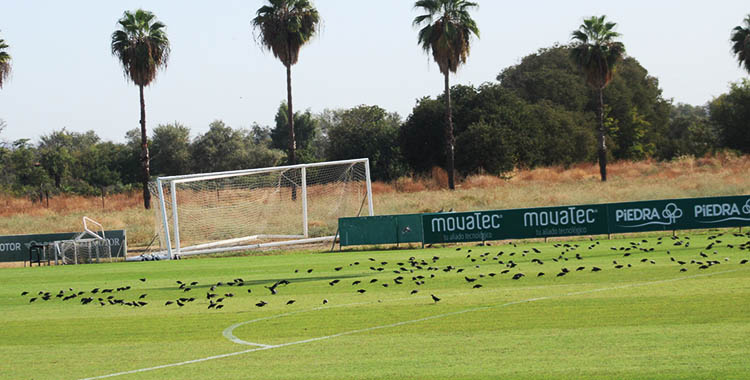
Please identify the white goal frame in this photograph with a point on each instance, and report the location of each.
(172, 233)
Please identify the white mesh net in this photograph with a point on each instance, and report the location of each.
(230, 209)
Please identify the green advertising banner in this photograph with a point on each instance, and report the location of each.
(383, 229)
(679, 214)
(16, 247)
(541, 222)
(514, 224)
(659, 215)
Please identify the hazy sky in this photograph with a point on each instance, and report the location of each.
(63, 74)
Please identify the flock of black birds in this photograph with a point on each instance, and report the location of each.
(414, 273)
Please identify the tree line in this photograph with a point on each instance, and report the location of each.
(585, 101)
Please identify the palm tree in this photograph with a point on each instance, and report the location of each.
(283, 26)
(447, 34)
(597, 53)
(142, 47)
(741, 44)
(4, 62)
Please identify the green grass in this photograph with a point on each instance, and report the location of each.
(647, 321)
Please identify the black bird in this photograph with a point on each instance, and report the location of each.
(32, 300)
(477, 286)
(24, 293)
(168, 303)
(228, 295)
(540, 274)
(219, 307)
(518, 275)
(596, 269)
(373, 280)
(360, 291)
(580, 269)
(249, 290)
(562, 274)
(414, 291)
(142, 296)
(261, 304)
(334, 282)
(337, 269)
(434, 298)
(180, 304)
(325, 301)
(743, 261)
(290, 302)
(309, 271)
(356, 282)
(683, 269)
(143, 280)
(470, 279)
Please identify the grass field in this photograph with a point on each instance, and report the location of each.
(646, 320)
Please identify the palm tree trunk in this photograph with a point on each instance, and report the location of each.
(602, 138)
(449, 132)
(290, 117)
(144, 153)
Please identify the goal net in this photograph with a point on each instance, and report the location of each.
(90, 246)
(255, 208)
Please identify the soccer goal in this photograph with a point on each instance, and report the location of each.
(257, 208)
(90, 246)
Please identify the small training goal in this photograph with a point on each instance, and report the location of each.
(89, 246)
(257, 208)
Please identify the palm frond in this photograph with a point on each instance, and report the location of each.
(4, 62)
(740, 39)
(284, 26)
(447, 28)
(141, 45)
(595, 50)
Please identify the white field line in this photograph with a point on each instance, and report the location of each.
(397, 324)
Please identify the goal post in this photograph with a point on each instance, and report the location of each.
(256, 208)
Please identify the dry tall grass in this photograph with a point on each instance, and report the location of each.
(628, 181)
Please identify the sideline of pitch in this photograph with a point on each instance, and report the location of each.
(397, 324)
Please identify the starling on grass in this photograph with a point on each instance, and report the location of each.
(356, 282)
(261, 304)
(414, 291)
(325, 301)
(219, 307)
(24, 293)
(143, 280)
(361, 291)
(168, 303)
(518, 276)
(337, 269)
(290, 302)
(596, 269)
(434, 298)
(477, 286)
